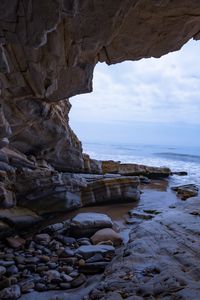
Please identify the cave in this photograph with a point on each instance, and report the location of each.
(48, 52)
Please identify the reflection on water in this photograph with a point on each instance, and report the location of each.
(155, 196)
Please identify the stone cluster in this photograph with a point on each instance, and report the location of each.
(53, 260)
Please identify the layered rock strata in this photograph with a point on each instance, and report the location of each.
(33, 189)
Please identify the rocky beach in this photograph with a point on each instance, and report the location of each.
(131, 243)
(73, 227)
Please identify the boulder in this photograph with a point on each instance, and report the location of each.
(186, 191)
(86, 224)
(107, 234)
(91, 250)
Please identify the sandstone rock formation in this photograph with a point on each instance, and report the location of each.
(48, 50)
(113, 190)
(186, 191)
(115, 167)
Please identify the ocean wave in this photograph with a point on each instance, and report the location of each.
(180, 156)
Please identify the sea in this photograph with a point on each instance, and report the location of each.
(177, 158)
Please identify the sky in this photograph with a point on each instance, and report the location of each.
(151, 101)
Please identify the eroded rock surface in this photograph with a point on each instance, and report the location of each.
(115, 167)
(186, 191)
(161, 261)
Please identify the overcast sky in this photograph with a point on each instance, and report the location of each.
(153, 101)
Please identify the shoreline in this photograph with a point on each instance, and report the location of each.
(157, 203)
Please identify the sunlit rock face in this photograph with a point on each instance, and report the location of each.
(48, 51)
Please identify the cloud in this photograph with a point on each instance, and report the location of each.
(164, 90)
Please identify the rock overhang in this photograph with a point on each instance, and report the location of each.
(48, 51)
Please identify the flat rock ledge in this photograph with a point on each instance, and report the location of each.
(125, 169)
(161, 260)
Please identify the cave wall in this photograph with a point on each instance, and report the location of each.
(48, 50)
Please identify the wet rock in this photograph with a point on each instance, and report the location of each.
(78, 281)
(5, 263)
(43, 238)
(107, 234)
(52, 276)
(186, 191)
(66, 269)
(144, 180)
(68, 241)
(11, 293)
(89, 251)
(97, 257)
(92, 166)
(42, 269)
(20, 217)
(111, 190)
(5, 229)
(60, 191)
(93, 268)
(31, 260)
(12, 270)
(81, 262)
(86, 224)
(41, 287)
(114, 296)
(6, 282)
(135, 169)
(152, 211)
(44, 258)
(84, 241)
(65, 285)
(52, 265)
(74, 273)
(67, 252)
(141, 214)
(27, 285)
(66, 278)
(70, 261)
(53, 228)
(180, 173)
(2, 270)
(15, 242)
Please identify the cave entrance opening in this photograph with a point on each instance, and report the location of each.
(145, 111)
